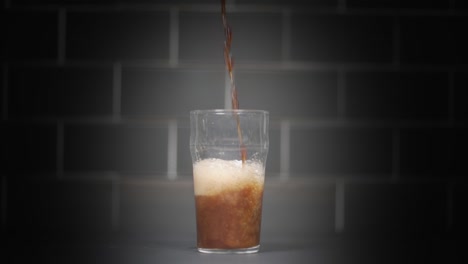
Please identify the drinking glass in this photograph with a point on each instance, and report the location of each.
(229, 149)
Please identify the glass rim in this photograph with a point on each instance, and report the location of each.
(228, 111)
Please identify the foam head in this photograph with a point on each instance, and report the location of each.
(212, 176)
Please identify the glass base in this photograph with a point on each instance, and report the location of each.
(249, 250)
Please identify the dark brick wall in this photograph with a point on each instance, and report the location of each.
(368, 103)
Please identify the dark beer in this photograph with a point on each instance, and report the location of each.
(228, 198)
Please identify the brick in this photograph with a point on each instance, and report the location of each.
(458, 42)
(395, 210)
(201, 37)
(341, 38)
(289, 94)
(3, 212)
(29, 35)
(158, 210)
(273, 158)
(433, 153)
(165, 2)
(108, 2)
(60, 92)
(433, 39)
(459, 4)
(293, 3)
(256, 37)
(3, 101)
(459, 216)
(397, 95)
(28, 147)
(425, 40)
(128, 35)
(342, 151)
(459, 96)
(171, 93)
(124, 148)
(413, 4)
(297, 210)
(184, 158)
(58, 210)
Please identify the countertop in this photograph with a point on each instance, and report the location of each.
(320, 251)
(299, 225)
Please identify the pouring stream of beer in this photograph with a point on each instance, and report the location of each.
(230, 66)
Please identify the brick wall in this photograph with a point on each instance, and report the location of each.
(368, 106)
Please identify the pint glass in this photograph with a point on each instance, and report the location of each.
(229, 149)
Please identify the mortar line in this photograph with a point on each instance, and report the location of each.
(341, 6)
(396, 41)
(299, 123)
(451, 98)
(5, 72)
(62, 36)
(172, 150)
(60, 150)
(339, 206)
(285, 146)
(115, 202)
(395, 154)
(174, 37)
(4, 202)
(452, 4)
(117, 91)
(286, 35)
(247, 8)
(301, 66)
(341, 94)
(449, 206)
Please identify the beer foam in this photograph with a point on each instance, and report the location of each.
(212, 176)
